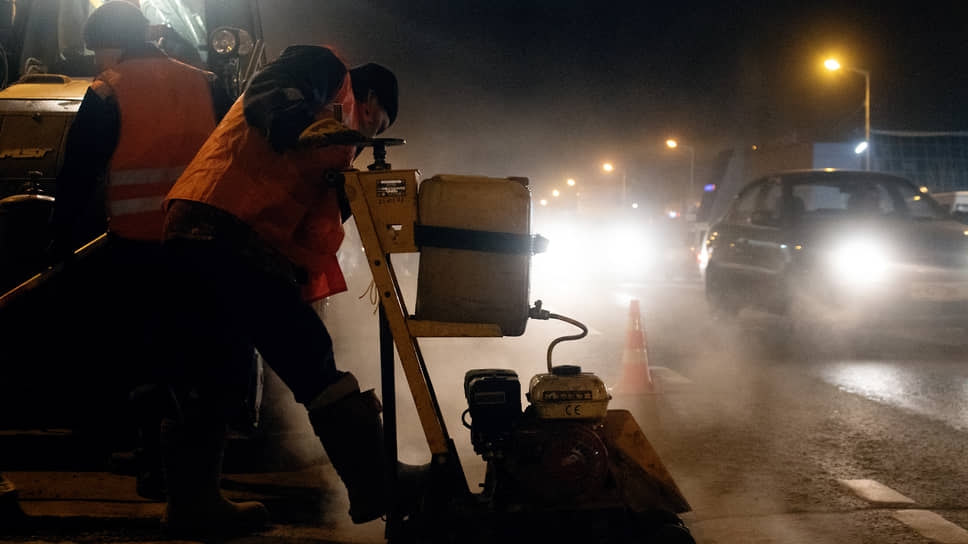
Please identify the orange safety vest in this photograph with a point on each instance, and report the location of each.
(166, 115)
(282, 197)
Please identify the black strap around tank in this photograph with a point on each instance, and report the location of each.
(479, 240)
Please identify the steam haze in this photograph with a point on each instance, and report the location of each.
(551, 90)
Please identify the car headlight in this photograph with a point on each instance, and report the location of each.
(860, 263)
(228, 40)
(224, 41)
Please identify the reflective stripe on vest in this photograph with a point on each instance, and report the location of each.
(146, 175)
(166, 114)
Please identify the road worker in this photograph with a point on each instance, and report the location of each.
(254, 230)
(141, 122)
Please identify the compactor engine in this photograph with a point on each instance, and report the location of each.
(551, 453)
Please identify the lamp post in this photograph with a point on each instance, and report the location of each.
(673, 144)
(608, 167)
(833, 65)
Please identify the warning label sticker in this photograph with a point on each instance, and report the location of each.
(391, 188)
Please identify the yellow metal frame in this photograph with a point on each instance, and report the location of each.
(384, 204)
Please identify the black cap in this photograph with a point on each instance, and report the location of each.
(381, 81)
(115, 25)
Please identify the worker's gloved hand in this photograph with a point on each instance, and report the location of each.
(326, 132)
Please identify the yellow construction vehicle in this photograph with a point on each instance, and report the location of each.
(565, 468)
(45, 72)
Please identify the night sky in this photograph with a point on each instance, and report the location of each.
(549, 90)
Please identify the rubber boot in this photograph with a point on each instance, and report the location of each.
(192, 457)
(351, 431)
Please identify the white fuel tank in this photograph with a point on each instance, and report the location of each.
(466, 286)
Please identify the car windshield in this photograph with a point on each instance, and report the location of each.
(863, 197)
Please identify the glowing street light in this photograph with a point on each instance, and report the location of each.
(608, 167)
(861, 147)
(672, 144)
(833, 65)
(635, 205)
(555, 192)
(571, 182)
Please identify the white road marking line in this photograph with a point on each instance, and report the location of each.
(669, 376)
(876, 492)
(932, 526)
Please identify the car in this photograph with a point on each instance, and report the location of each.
(846, 248)
(955, 203)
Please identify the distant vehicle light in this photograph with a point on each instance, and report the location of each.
(673, 215)
(709, 188)
(924, 189)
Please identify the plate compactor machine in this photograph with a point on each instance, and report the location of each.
(565, 468)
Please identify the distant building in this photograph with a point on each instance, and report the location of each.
(938, 160)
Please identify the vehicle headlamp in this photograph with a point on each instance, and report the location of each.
(860, 262)
(228, 40)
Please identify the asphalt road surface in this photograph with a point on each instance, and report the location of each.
(769, 442)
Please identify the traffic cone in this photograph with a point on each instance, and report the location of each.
(636, 378)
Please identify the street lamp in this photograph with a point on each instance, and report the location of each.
(608, 167)
(833, 65)
(555, 192)
(571, 182)
(673, 144)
